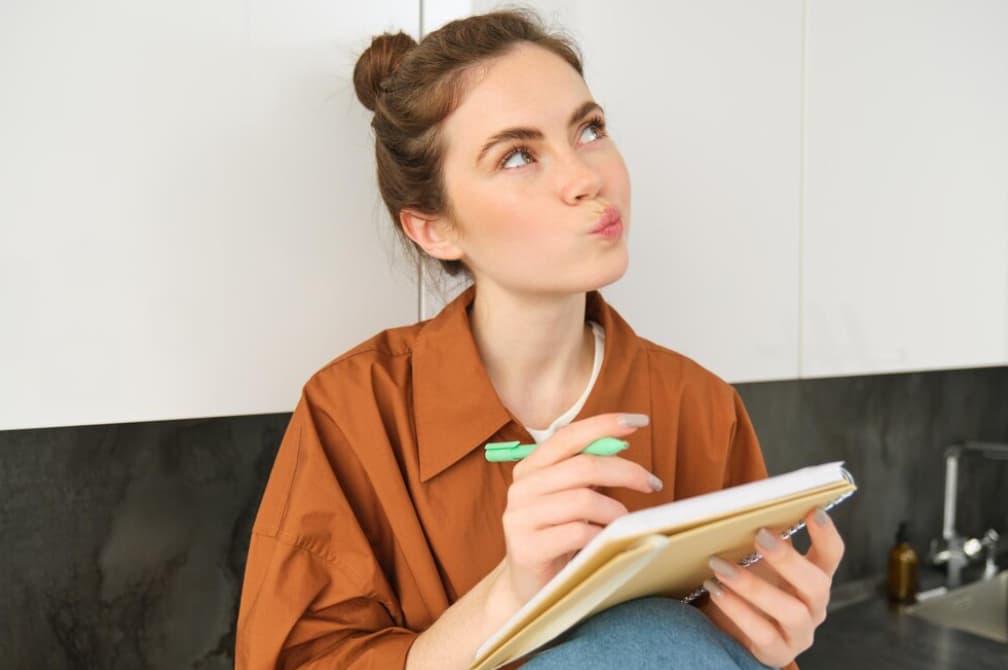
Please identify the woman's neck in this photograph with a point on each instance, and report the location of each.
(538, 351)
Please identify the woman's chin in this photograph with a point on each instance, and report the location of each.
(613, 273)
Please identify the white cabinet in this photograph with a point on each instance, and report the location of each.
(905, 248)
(703, 100)
(190, 220)
(191, 224)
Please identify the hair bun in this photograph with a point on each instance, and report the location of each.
(378, 62)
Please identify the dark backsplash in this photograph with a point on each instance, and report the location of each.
(892, 431)
(124, 545)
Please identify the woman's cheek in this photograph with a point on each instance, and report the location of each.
(621, 178)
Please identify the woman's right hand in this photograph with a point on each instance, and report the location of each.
(553, 509)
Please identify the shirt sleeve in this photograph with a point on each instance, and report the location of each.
(314, 594)
(745, 458)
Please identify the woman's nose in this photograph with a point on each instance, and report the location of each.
(578, 179)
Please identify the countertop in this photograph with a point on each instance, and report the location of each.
(866, 633)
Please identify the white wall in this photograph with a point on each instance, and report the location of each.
(190, 220)
(905, 252)
(190, 225)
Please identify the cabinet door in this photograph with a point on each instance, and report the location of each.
(703, 99)
(905, 249)
(191, 225)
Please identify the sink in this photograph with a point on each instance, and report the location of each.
(980, 608)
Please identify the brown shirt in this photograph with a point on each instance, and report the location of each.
(381, 510)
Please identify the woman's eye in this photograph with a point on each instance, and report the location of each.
(520, 156)
(509, 160)
(597, 129)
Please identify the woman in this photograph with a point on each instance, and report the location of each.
(384, 538)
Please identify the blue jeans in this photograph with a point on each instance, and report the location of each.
(645, 634)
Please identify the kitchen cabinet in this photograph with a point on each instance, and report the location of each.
(905, 244)
(190, 220)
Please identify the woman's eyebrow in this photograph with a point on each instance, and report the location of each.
(524, 133)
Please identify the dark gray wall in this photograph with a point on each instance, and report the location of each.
(892, 431)
(123, 546)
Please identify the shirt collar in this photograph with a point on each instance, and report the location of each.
(457, 409)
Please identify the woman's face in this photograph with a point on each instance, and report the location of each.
(524, 208)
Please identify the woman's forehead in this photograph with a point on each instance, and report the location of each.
(528, 86)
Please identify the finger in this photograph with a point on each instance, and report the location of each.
(793, 615)
(566, 506)
(827, 546)
(555, 541)
(764, 639)
(574, 437)
(806, 579)
(584, 470)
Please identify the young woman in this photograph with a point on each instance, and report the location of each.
(384, 538)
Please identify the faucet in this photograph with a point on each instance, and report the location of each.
(958, 550)
(990, 539)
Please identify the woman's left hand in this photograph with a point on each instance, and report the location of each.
(777, 621)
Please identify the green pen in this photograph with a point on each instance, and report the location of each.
(497, 452)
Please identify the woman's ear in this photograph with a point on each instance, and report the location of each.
(434, 234)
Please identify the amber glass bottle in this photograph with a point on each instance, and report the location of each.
(902, 583)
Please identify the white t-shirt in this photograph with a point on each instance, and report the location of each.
(568, 416)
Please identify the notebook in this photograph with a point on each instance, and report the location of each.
(664, 550)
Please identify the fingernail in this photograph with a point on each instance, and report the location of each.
(655, 484)
(634, 420)
(712, 587)
(767, 540)
(722, 567)
(821, 517)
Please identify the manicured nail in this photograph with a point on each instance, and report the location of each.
(722, 567)
(712, 587)
(767, 540)
(820, 516)
(655, 483)
(634, 420)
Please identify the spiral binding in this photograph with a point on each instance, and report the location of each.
(755, 556)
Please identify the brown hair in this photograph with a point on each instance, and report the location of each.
(412, 87)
